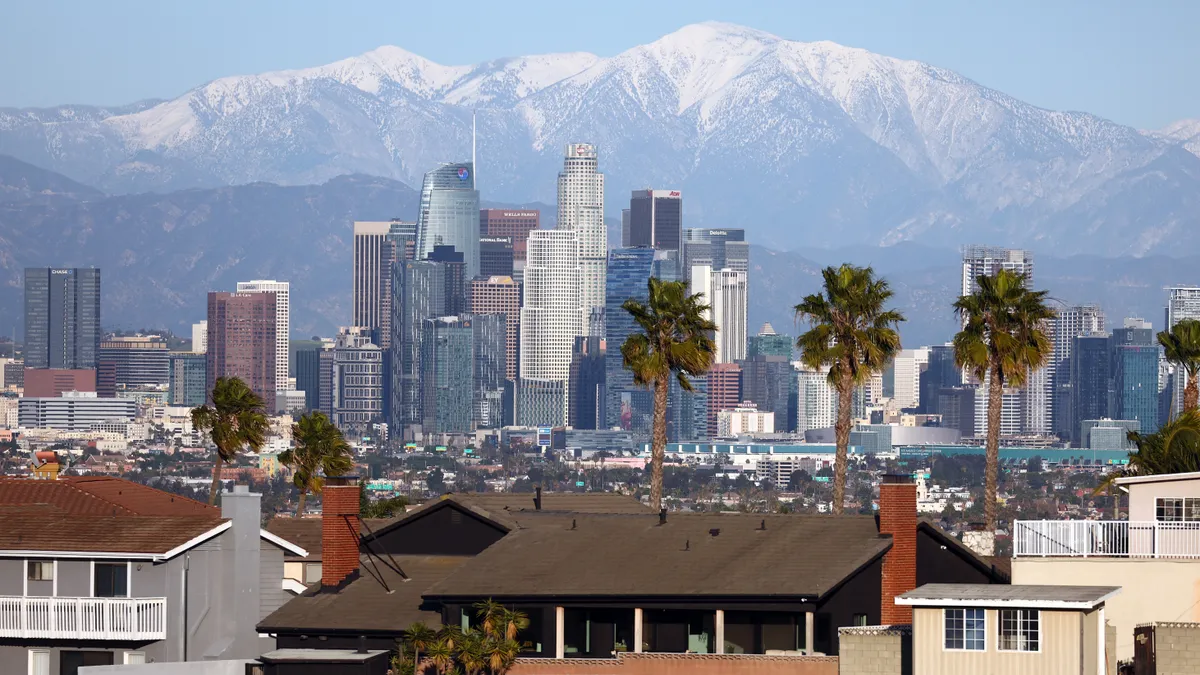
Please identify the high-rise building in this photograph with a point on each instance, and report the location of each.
(817, 401)
(625, 228)
(724, 391)
(357, 383)
(495, 257)
(1011, 420)
(308, 377)
(581, 210)
(940, 373)
(377, 247)
(769, 343)
(447, 377)
(656, 219)
(1070, 323)
(1090, 361)
(454, 265)
(1183, 302)
(586, 383)
(744, 419)
(627, 405)
(419, 292)
(137, 361)
(551, 319)
(200, 337)
(767, 381)
(489, 377)
(501, 295)
(727, 295)
(1135, 374)
(908, 366)
(987, 260)
(516, 224)
(62, 318)
(717, 248)
(189, 377)
(449, 214)
(956, 405)
(242, 341)
(283, 325)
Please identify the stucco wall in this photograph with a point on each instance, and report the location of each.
(1142, 496)
(681, 664)
(1151, 590)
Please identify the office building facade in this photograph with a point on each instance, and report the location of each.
(62, 318)
(283, 322)
(73, 411)
(1090, 374)
(551, 319)
(200, 337)
(419, 292)
(243, 341)
(939, 373)
(586, 383)
(516, 224)
(137, 361)
(724, 391)
(1135, 374)
(627, 406)
(987, 260)
(495, 257)
(492, 403)
(308, 377)
(447, 382)
(357, 382)
(501, 295)
(717, 248)
(908, 366)
(188, 379)
(1070, 323)
(656, 219)
(449, 214)
(769, 343)
(581, 210)
(726, 292)
(817, 402)
(768, 382)
(377, 247)
(1183, 302)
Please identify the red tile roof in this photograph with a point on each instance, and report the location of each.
(99, 495)
(38, 528)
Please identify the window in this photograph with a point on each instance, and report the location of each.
(859, 620)
(41, 570)
(39, 662)
(965, 629)
(1019, 630)
(111, 580)
(1177, 509)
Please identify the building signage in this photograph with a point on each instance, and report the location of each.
(520, 214)
(463, 174)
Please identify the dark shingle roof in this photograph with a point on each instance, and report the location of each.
(574, 502)
(632, 555)
(40, 529)
(364, 604)
(306, 533)
(99, 495)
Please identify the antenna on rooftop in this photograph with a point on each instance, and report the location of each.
(474, 166)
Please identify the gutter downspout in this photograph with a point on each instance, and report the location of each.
(187, 559)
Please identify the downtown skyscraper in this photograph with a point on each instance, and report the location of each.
(62, 318)
(656, 219)
(242, 341)
(449, 214)
(378, 245)
(726, 292)
(581, 210)
(627, 405)
(551, 319)
(1183, 302)
(283, 308)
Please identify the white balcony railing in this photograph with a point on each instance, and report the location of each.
(83, 618)
(1105, 538)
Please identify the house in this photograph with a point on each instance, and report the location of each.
(97, 570)
(609, 578)
(1011, 630)
(1154, 555)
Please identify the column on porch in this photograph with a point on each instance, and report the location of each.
(719, 632)
(809, 631)
(560, 632)
(637, 630)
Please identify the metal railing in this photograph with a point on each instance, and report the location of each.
(56, 618)
(1105, 539)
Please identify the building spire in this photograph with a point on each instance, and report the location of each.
(474, 166)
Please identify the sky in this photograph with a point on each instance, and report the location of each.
(1132, 62)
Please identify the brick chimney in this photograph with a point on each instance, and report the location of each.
(339, 529)
(898, 517)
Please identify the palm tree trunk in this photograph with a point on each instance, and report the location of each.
(300, 506)
(845, 413)
(995, 406)
(1191, 395)
(216, 479)
(658, 445)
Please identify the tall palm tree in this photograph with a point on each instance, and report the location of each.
(1181, 346)
(1174, 448)
(1001, 342)
(235, 419)
(320, 451)
(854, 334)
(675, 338)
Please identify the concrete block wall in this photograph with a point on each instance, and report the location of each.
(875, 650)
(1177, 648)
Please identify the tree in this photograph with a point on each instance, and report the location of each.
(320, 451)
(235, 419)
(1181, 346)
(1174, 448)
(675, 338)
(1001, 342)
(418, 636)
(854, 335)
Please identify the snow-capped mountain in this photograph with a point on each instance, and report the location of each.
(801, 143)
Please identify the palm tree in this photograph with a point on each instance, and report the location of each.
(675, 338)
(855, 337)
(1181, 346)
(1174, 448)
(1001, 342)
(419, 637)
(320, 451)
(235, 419)
(439, 656)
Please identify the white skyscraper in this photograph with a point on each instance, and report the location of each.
(200, 337)
(1070, 323)
(581, 209)
(726, 293)
(816, 404)
(908, 366)
(987, 260)
(1183, 302)
(282, 322)
(550, 321)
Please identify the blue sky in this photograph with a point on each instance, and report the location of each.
(1133, 62)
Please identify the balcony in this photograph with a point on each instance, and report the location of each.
(1106, 539)
(43, 618)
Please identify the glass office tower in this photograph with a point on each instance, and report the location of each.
(449, 214)
(62, 318)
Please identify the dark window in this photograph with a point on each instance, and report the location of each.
(1019, 630)
(965, 629)
(859, 620)
(72, 661)
(111, 580)
(1177, 509)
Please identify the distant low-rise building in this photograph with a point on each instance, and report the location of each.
(73, 411)
(745, 419)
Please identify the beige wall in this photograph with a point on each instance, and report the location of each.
(1143, 495)
(1151, 590)
(1060, 642)
(874, 650)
